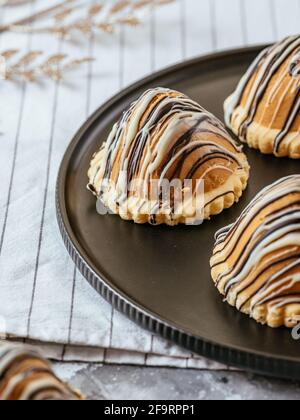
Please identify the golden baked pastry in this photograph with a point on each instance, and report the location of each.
(264, 111)
(25, 376)
(165, 136)
(256, 261)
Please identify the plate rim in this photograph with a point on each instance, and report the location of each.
(284, 367)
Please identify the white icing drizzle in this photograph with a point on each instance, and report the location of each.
(275, 240)
(295, 65)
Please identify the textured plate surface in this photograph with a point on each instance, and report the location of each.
(159, 276)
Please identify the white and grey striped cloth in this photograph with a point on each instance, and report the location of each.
(42, 297)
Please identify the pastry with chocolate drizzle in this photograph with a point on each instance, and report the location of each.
(264, 111)
(165, 135)
(256, 261)
(26, 376)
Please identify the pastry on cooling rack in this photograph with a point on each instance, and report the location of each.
(264, 111)
(256, 261)
(24, 375)
(166, 138)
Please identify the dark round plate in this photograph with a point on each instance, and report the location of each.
(159, 276)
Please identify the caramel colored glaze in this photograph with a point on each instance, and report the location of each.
(264, 111)
(256, 261)
(166, 136)
(24, 375)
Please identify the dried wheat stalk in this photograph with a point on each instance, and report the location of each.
(122, 12)
(13, 2)
(26, 67)
(96, 17)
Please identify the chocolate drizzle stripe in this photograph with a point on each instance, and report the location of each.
(292, 115)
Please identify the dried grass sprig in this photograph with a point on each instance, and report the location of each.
(121, 13)
(14, 2)
(119, 7)
(44, 13)
(28, 69)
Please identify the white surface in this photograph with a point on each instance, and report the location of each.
(42, 296)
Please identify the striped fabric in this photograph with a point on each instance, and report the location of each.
(42, 296)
